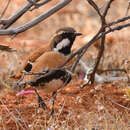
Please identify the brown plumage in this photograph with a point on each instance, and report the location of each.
(63, 33)
(32, 58)
(49, 60)
(51, 56)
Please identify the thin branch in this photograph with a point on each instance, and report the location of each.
(107, 8)
(36, 20)
(100, 53)
(109, 70)
(34, 73)
(37, 5)
(118, 21)
(8, 22)
(85, 47)
(109, 99)
(101, 49)
(76, 62)
(95, 38)
(12, 116)
(117, 28)
(127, 11)
(6, 48)
(5, 9)
(95, 7)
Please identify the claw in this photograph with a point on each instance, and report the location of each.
(52, 113)
(41, 102)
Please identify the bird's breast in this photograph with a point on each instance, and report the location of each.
(52, 86)
(47, 60)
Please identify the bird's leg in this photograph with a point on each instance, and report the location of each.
(53, 103)
(39, 99)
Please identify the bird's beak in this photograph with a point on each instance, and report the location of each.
(78, 33)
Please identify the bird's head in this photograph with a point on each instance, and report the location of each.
(63, 39)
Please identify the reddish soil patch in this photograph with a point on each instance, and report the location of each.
(73, 108)
(89, 108)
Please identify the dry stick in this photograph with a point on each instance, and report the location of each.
(82, 52)
(116, 28)
(108, 70)
(127, 11)
(103, 28)
(98, 37)
(36, 20)
(35, 73)
(102, 46)
(6, 48)
(37, 5)
(5, 9)
(79, 51)
(40, 3)
(118, 21)
(12, 115)
(95, 38)
(21, 119)
(109, 99)
(77, 61)
(92, 3)
(100, 53)
(8, 22)
(60, 111)
(107, 7)
(86, 46)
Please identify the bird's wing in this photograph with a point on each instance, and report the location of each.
(33, 57)
(48, 60)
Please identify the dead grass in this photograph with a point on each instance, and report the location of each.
(82, 109)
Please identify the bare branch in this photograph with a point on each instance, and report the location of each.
(100, 53)
(101, 49)
(95, 7)
(109, 70)
(6, 7)
(79, 51)
(118, 21)
(76, 61)
(127, 11)
(8, 22)
(6, 48)
(95, 38)
(117, 28)
(107, 7)
(37, 5)
(35, 20)
(109, 99)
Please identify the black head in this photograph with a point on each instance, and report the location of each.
(63, 40)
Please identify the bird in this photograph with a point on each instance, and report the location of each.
(55, 54)
(61, 42)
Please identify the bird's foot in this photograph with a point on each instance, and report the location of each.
(41, 103)
(52, 113)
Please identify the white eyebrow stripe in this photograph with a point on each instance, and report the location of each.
(29, 62)
(65, 42)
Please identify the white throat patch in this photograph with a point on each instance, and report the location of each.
(65, 42)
